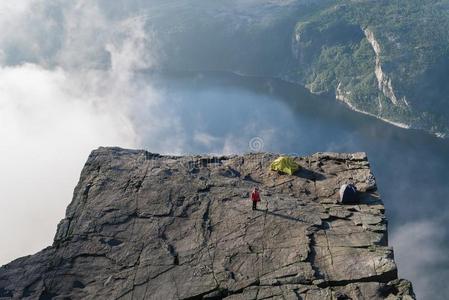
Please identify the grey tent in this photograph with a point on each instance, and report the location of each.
(348, 194)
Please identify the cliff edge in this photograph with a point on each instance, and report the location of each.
(146, 226)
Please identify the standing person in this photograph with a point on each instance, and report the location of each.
(255, 197)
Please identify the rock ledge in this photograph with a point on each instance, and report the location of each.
(147, 226)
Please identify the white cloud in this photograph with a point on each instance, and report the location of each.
(205, 139)
(51, 117)
(46, 133)
(30, 31)
(418, 248)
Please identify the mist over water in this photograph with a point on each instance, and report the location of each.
(87, 73)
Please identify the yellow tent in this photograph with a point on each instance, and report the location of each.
(285, 165)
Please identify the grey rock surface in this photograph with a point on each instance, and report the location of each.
(146, 226)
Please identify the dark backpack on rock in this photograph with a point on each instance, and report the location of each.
(348, 194)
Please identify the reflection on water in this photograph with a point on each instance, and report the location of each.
(221, 113)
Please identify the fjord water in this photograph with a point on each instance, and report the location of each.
(226, 113)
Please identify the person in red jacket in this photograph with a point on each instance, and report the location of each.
(255, 197)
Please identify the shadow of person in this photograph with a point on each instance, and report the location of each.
(287, 217)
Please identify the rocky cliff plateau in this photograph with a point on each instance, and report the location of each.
(147, 226)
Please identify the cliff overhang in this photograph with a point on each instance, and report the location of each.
(148, 226)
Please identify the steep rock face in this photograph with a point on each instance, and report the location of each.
(384, 82)
(381, 56)
(145, 226)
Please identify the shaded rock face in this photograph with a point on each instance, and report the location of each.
(145, 226)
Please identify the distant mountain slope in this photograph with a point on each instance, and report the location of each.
(388, 58)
